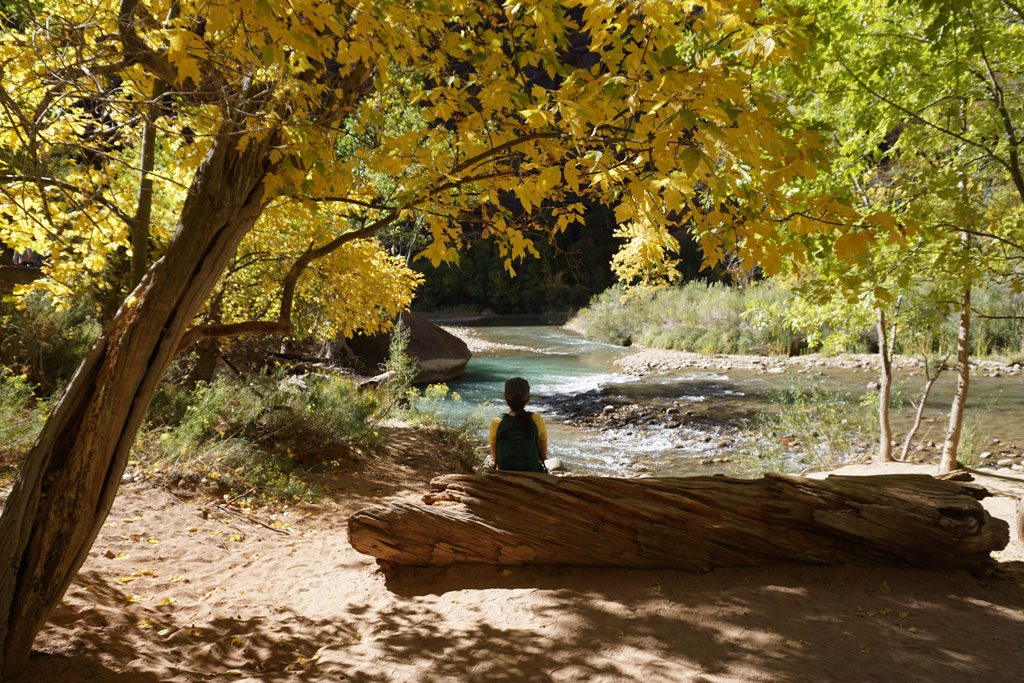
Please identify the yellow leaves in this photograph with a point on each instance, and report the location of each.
(689, 159)
(184, 50)
(851, 245)
(644, 256)
(209, 594)
(219, 18)
(537, 118)
(804, 168)
(649, 122)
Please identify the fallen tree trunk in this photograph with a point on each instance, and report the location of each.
(692, 523)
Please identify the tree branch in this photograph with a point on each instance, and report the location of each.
(918, 117)
(201, 332)
(999, 99)
(9, 178)
(283, 324)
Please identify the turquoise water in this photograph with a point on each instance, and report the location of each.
(557, 362)
(560, 364)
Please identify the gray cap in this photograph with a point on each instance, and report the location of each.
(517, 389)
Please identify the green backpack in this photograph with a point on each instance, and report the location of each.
(517, 443)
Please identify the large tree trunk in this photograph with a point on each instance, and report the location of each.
(140, 226)
(68, 483)
(207, 355)
(963, 378)
(884, 391)
(694, 523)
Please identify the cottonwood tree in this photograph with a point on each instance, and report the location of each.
(925, 104)
(656, 108)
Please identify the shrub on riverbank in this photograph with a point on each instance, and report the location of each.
(262, 437)
(811, 427)
(721, 318)
(697, 316)
(276, 437)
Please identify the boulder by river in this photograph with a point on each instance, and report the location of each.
(442, 356)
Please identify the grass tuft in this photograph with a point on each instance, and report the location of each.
(811, 427)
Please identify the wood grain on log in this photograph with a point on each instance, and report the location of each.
(691, 523)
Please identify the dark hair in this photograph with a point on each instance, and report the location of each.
(517, 407)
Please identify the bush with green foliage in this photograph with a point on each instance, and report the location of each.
(722, 318)
(270, 437)
(22, 415)
(281, 436)
(810, 427)
(43, 343)
(697, 316)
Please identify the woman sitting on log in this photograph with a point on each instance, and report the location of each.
(519, 439)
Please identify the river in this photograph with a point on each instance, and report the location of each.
(703, 415)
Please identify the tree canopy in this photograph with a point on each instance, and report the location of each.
(171, 133)
(440, 112)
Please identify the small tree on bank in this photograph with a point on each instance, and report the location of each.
(925, 107)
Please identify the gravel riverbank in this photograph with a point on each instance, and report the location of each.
(662, 361)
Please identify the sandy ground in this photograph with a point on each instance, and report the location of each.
(180, 590)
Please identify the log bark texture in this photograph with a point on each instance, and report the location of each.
(692, 523)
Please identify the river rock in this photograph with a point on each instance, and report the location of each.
(442, 356)
(1005, 462)
(555, 465)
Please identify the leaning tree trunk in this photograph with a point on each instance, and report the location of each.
(67, 485)
(884, 392)
(963, 378)
(692, 523)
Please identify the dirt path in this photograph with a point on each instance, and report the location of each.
(178, 590)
